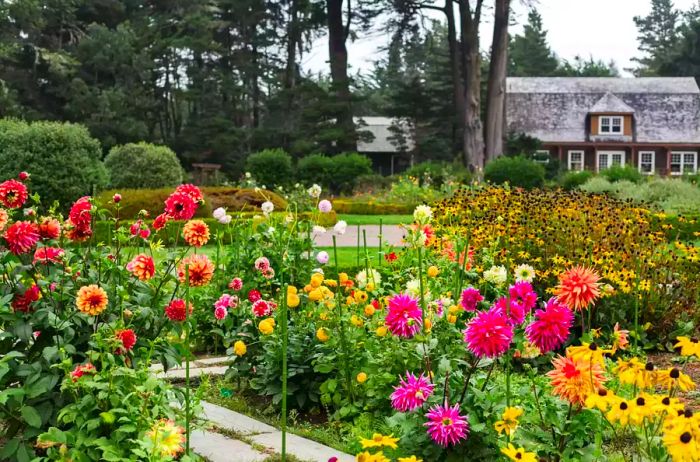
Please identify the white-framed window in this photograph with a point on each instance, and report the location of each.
(575, 161)
(541, 156)
(647, 162)
(611, 125)
(684, 162)
(607, 159)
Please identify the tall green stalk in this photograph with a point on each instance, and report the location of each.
(187, 360)
(341, 326)
(283, 328)
(379, 254)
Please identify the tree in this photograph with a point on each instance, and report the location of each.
(494, 128)
(658, 36)
(530, 55)
(587, 68)
(685, 60)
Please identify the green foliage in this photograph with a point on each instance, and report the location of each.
(521, 143)
(366, 207)
(346, 169)
(143, 165)
(572, 180)
(270, 167)
(62, 158)
(530, 54)
(432, 173)
(619, 173)
(517, 171)
(315, 169)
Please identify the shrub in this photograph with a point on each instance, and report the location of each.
(438, 173)
(62, 158)
(354, 207)
(346, 168)
(315, 168)
(618, 173)
(597, 185)
(143, 165)
(372, 183)
(152, 200)
(271, 167)
(518, 171)
(572, 180)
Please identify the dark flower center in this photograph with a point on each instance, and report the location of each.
(666, 401)
(623, 405)
(686, 437)
(675, 373)
(640, 401)
(688, 413)
(602, 392)
(649, 366)
(593, 347)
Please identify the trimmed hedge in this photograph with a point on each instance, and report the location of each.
(143, 165)
(352, 207)
(152, 200)
(63, 159)
(517, 171)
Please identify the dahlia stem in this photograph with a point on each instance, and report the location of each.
(379, 254)
(358, 246)
(283, 325)
(187, 360)
(341, 328)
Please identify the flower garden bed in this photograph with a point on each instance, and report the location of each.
(512, 325)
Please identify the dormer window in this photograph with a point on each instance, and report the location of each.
(611, 125)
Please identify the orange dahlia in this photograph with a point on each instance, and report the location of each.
(200, 268)
(91, 300)
(49, 228)
(574, 380)
(196, 233)
(578, 287)
(21, 236)
(142, 267)
(3, 219)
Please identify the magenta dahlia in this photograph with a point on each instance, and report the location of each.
(411, 393)
(488, 334)
(445, 426)
(470, 298)
(550, 329)
(404, 317)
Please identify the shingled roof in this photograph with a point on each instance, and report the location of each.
(554, 109)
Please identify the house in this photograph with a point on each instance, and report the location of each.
(593, 123)
(386, 141)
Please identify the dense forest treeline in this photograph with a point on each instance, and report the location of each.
(218, 79)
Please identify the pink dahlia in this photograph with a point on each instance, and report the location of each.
(550, 329)
(21, 236)
(262, 264)
(191, 190)
(404, 317)
(411, 393)
(523, 293)
(254, 295)
(46, 255)
(13, 194)
(180, 206)
(220, 312)
(445, 426)
(261, 308)
(470, 298)
(80, 215)
(236, 284)
(488, 334)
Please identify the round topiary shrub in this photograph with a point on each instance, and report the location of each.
(143, 165)
(62, 158)
(517, 171)
(572, 180)
(271, 167)
(315, 168)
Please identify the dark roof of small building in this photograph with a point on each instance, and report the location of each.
(554, 109)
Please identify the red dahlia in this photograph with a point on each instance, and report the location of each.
(22, 236)
(175, 311)
(80, 213)
(254, 295)
(191, 190)
(160, 221)
(180, 206)
(23, 302)
(13, 194)
(46, 255)
(128, 339)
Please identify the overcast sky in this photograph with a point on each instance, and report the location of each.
(603, 29)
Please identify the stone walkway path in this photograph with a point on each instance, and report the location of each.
(231, 436)
(392, 235)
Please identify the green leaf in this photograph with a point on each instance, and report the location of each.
(9, 449)
(30, 416)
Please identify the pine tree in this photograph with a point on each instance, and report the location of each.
(658, 36)
(530, 55)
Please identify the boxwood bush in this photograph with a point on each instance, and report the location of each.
(572, 180)
(63, 159)
(517, 171)
(143, 165)
(271, 167)
(346, 169)
(315, 168)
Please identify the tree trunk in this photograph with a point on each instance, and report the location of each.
(496, 93)
(338, 56)
(293, 38)
(457, 82)
(473, 140)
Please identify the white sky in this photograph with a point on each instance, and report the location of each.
(601, 28)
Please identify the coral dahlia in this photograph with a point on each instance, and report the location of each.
(82, 369)
(200, 268)
(13, 194)
(550, 329)
(196, 233)
(4, 218)
(91, 300)
(21, 237)
(578, 287)
(488, 334)
(574, 380)
(49, 228)
(445, 426)
(142, 266)
(46, 255)
(404, 317)
(411, 393)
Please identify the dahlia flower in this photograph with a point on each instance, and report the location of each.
(261, 308)
(180, 206)
(80, 214)
(404, 317)
(23, 302)
(200, 269)
(550, 329)
(578, 287)
(4, 217)
(261, 264)
(226, 301)
(496, 275)
(82, 369)
(21, 237)
(175, 310)
(363, 277)
(254, 295)
(167, 438)
(49, 228)
(239, 348)
(236, 284)
(488, 334)
(46, 255)
(13, 194)
(524, 273)
(574, 380)
(445, 426)
(470, 298)
(422, 214)
(160, 221)
(128, 339)
(524, 294)
(196, 233)
(220, 313)
(314, 191)
(411, 393)
(91, 300)
(191, 190)
(142, 266)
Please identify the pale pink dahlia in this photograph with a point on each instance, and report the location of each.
(445, 426)
(262, 264)
(411, 393)
(550, 329)
(220, 312)
(470, 298)
(236, 284)
(488, 334)
(404, 317)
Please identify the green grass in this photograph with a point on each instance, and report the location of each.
(374, 219)
(347, 257)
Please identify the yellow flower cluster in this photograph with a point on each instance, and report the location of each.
(379, 441)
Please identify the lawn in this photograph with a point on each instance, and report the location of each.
(347, 257)
(374, 219)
